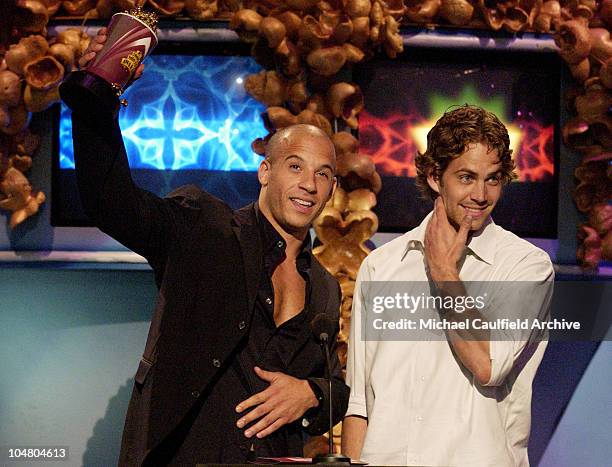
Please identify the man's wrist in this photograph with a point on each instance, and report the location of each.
(317, 395)
(444, 273)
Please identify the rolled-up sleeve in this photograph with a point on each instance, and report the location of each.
(527, 297)
(356, 362)
(502, 354)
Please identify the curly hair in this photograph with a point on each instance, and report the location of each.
(451, 135)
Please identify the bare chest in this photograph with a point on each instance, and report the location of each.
(289, 292)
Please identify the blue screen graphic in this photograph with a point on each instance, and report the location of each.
(186, 113)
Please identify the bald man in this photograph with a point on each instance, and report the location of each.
(231, 367)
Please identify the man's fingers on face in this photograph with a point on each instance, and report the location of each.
(443, 219)
(433, 226)
(439, 212)
(439, 204)
(428, 231)
(464, 229)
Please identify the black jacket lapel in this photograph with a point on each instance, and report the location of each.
(248, 235)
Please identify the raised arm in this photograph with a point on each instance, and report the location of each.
(488, 356)
(138, 219)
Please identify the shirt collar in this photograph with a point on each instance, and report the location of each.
(272, 239)
(481, 244)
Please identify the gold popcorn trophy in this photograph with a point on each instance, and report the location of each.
(131, 37)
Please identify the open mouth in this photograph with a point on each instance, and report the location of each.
(302, 205)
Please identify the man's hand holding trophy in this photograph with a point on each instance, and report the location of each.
(112, 62)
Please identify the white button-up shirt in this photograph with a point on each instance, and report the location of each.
(423, 406)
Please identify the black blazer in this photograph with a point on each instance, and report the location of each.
(207, 262)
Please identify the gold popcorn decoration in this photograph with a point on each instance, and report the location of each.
(149, 18)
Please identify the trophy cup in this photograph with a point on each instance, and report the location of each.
(131, 37)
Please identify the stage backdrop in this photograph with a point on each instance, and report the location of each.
(70, 341)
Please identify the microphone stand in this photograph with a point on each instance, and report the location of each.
(330, 458)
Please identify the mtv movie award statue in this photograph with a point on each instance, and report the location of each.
(131, 37)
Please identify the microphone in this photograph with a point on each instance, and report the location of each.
(323, 327)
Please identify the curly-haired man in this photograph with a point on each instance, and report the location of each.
(463, 396)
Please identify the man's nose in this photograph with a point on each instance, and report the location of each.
(479, 192)
(308, 182)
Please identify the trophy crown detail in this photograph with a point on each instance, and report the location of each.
(147, 17)
(130, 62)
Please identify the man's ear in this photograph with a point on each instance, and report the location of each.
(433, 181)
(263, 172)
(334, 186)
